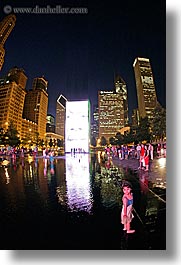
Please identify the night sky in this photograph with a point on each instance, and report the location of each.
(79, 54)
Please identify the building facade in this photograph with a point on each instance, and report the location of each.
(60, 115)
(135, 118)
(121, 88)
(29, 132)
(111, 113)
(6, 26)
(145, 86)
(50, 126)
(95, 122)
(50, 136)
(36, 105)
(12, 95)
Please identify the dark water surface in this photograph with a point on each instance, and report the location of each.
(74, 202)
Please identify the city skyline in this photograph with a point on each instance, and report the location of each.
(79, 55)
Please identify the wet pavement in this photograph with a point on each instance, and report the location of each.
(75, 203)
(149, 190)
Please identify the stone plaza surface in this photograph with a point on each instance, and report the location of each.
(156, 173)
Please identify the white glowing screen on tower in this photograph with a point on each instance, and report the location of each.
(77, 126)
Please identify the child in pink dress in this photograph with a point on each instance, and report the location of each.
(126, 213)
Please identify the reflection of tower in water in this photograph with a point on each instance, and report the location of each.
(61, 181)
(33, 177)
(79, 193)
(30, 172)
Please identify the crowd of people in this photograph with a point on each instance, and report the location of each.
(143, 152)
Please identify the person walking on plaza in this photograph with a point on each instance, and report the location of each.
(142, 155)
(126, 152)
(146, 158)
(158, 150)
(127, 208)
(122, 152)
(44, 152)
(138, 150)
(165, 150)
(133, 153)
(150, 148)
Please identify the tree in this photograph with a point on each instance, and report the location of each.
(50, 143)
(59, 143)
(1, 136)
(159, 122)
(41, 142)
(37, 138)
(143, 131)
(11, 135)
(46, 142)
(120, 138)
(103, 141)
(93, 141)
(129, 138)
(112, 141)
(25, 141)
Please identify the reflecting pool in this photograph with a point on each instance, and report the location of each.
(74, 202)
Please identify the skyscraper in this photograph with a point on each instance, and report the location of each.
(113, 109)
(6, 26)
(145, 86)
(120, 87)
(17, 75)
(60, 115)
(95, 123)
(50, 126)
(12, 95)
(111, 113)
(36, 105)
(135, 118)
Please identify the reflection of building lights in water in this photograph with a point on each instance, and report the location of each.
(45, 167)
(7, 176)
(78, 182)
(31, 172)
(52, 171)
(162, 162)
(30, 159)
(100, 155)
